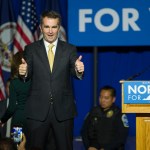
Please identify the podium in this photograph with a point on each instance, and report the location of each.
(136, 99)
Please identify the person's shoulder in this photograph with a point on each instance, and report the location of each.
(64, 43)
(17, 81)
(14, 81)
(116, 108)
(35, 43)
(118, 111)
(121, 115)
(95, 110)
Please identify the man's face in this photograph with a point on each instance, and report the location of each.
(106, 99)
(50, 29)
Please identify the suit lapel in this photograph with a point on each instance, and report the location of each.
(43, 55)
(44, 58)
(58, 54)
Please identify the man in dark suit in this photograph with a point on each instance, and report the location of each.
(51, 105)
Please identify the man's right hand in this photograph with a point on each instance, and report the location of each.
(23, 68)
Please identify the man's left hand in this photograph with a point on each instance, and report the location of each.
(79, 66)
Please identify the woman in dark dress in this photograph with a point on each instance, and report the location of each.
(18, 93)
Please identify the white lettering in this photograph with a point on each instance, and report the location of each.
(148, 89)
(130, 16)
(83, 19)
(132, 89)
(134, 97)
(103, 12)
(129, 19)
(141, 89)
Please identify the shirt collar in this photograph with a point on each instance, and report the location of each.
(47, 43)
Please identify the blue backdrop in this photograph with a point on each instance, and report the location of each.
(114, 64)
(116, 22)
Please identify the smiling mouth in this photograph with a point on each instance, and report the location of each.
(50, 36)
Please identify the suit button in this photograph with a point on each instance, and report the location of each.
(51, 99)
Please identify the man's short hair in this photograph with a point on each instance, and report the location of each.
(50, 14)
(109, 88)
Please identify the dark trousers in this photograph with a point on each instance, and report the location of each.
(51, 133)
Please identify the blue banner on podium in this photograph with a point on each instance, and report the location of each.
(136, 92)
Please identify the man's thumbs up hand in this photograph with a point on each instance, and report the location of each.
(23, 61)
(79, 65)
(23, 67)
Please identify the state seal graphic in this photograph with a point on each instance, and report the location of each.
(7, 32)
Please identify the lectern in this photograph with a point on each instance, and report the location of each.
(136, 99)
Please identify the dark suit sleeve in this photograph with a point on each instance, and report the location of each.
(73, 58)
(28, 59)
(12, 104)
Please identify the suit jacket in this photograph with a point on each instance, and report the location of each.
(46, 85)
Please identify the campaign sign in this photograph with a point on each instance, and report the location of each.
(109, 22)
(136, 92)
